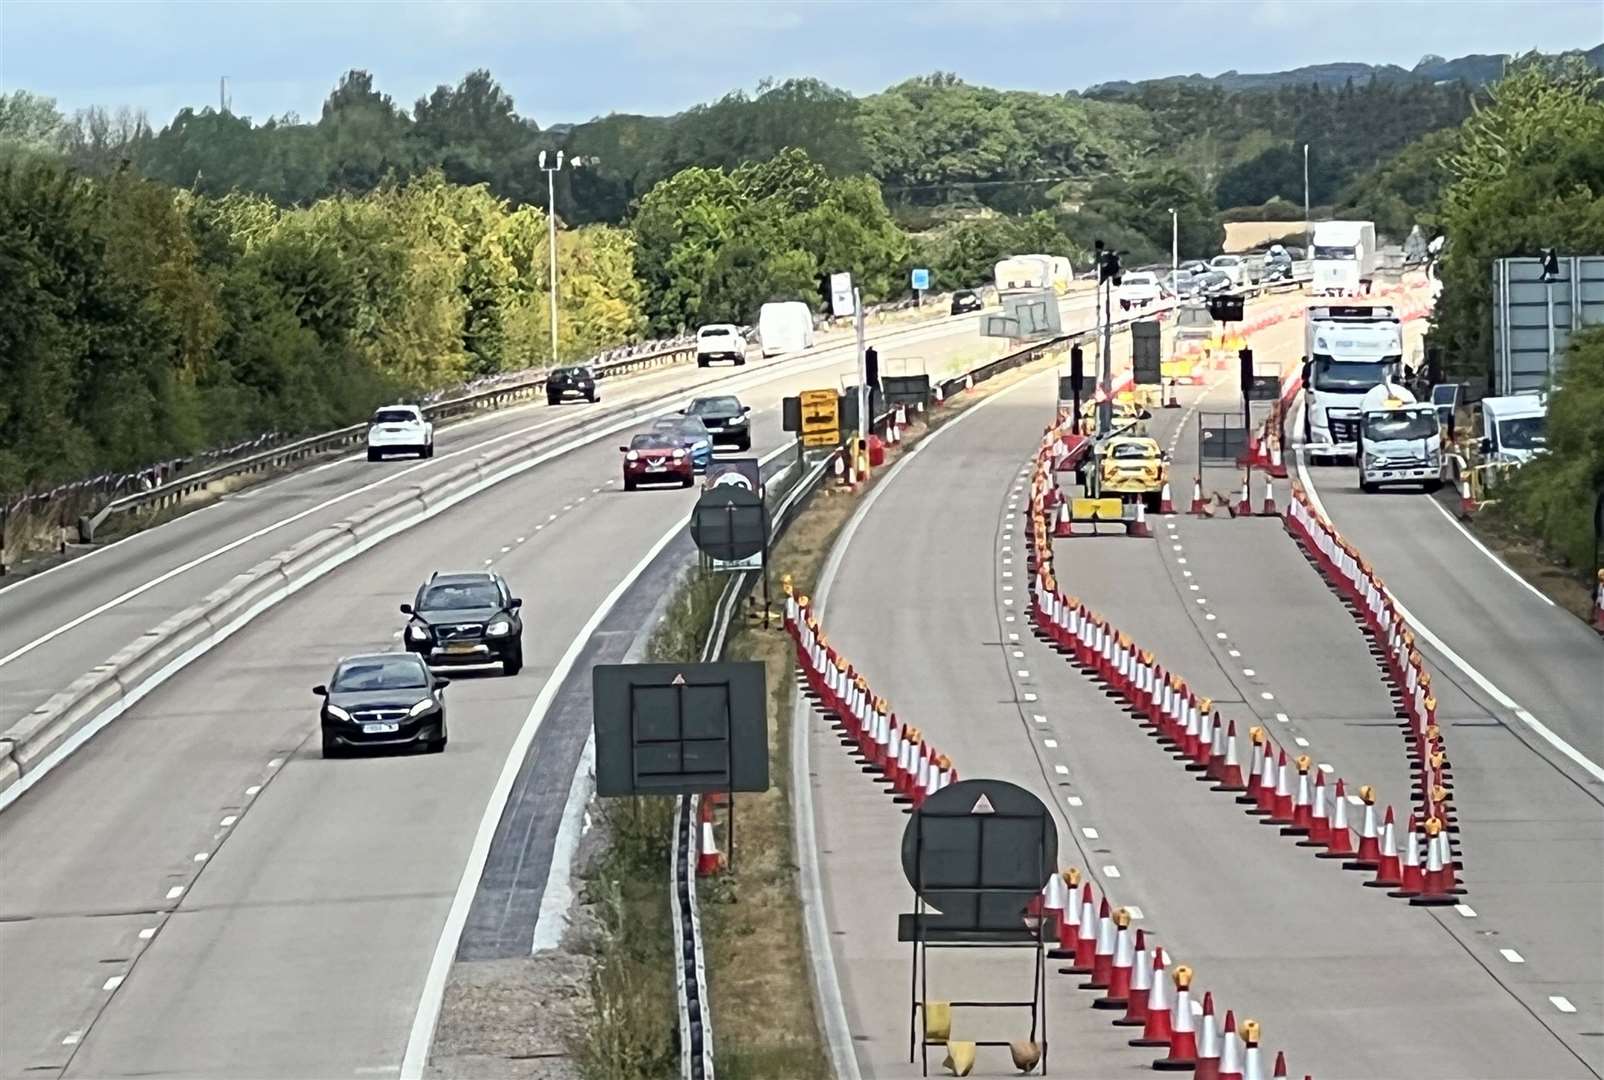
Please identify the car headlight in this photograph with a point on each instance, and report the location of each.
(337, 712)
(417, 632)
(736, 421)
(499, 628)
(1375, 461)
(421, 707)
(679, 455)
(632, 456)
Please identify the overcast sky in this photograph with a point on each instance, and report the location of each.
(565, 61)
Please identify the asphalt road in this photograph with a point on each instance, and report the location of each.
(59, 623)
(1349, 982)
(197, 892)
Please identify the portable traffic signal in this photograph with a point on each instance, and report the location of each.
(871, 366)
(1550, 264)
(1108, 268)
(1077, 368)
(1246, 358)
(1225, 308)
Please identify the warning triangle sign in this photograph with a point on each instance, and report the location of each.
(679, 680)
(983, 805)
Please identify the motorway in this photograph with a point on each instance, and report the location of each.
(195, 891)
(1506, 985)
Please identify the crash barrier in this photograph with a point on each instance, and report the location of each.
(1433, 821)
(1141, 986)
(70, 717)
(1285, 789)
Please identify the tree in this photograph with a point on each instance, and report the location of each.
(475, 135)
(29, 123)
(366, 137)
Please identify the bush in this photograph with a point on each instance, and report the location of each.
(1276, 209)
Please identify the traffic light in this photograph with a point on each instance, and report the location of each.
(871, 366)
(1077, 369)
(1550, 264)
(1108, 268)
(1246, 358)
(1225, 308)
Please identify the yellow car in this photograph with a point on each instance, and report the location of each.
(1131, 467)
(1130, 418)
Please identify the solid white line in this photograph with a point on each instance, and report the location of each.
(1562, 1003)
(558, 895)
(1522, 582)
(1422, 630)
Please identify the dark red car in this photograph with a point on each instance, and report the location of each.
(657, 457)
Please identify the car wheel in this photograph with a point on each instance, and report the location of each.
(1433, 486)
(741, 362)
(593, 398)
(428, 451)
(332, 749)
(513, 663)
(374, 455)
(629, 484)
(438, 746)
(700, 362)
(688, 481)
(552, 399)
(1368, 488)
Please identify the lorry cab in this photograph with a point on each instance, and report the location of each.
(1513, 429)
(1347, 351)
(1399, 440)
(1344, 257)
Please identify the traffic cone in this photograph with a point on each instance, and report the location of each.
(1319, 823)
(1270, 509)
(1280, 1066)
(1341, 845)
(1389, 871)
(1156, 1029)
(1437, 888)
(1250, 789)
(1230, 768)
(1172, 402)
(1139, 526)
(708, 859)
(1165, 504)
(1102, 951)
(1252, 1065)
(1369, 854)
(1412, 879)
(940, 397)
(1118, 992)
(1069, 921)
(1302, 811)
(1198, 506)
(1208, 1043)
(1141, 986)
(1063, 527)
(1183, 1031)
(1244, 506)
(1467, 505)
(1207, 738)
(1264, 793)
(1230, 1049)
(1278, 466)
(1085, 936)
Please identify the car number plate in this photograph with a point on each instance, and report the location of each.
(461, 648)
(656, 466)
(379, 729)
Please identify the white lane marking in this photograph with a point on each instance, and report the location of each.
(506, 549)
(1202, 599)
(1111, 871)
(1018, 655)
(1193, 587)
(202, 856)
(1008, 618)
(251, 791)
(553, 517)
(1009, 600)
(1075, 800)
(434, 982)
(147, 933)
(558, 896)
(229, 820)
(1465, 910)
(1015, 637)
(521, 539)
(1282, 717)
(1022, 673)
(1487, 686)
(113, 983)
(1133, 911)
(1061, 770)
(1249, 672)
(1562, 1003)
(1008, 573)
(1051, 744)
(1008, 588)
(1236, 654)
(175, 892)
(1220, 635)
(581, 499)
(1182, 562)
(1512, 956)
(1030, 697)
(275, 763)
(1300, 740)
(1089, 833)
(487, 562)
(71, 1038)
(1500, 563)
(1267, 696)
(1210, 616)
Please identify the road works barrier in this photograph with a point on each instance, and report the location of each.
(1284, 789)
(1140, 986)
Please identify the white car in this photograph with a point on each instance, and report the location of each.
(1235, 267)
(720, 341)
(400, 429)
(1138, 289)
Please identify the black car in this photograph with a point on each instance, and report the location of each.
(966, 300)
(383, 699)
(468, 619)
(1213, 282)
(725, 418)
(567, 382)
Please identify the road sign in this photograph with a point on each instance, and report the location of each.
(738, 472)
(821, 418)
(678, 729)
(921, 279)
(1147, 362)
(907, 390)
(730, 523)
(841, 304)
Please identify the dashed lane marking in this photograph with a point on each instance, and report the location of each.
(1075, 800)
(175, 892)
(1089, 833)
(1562, 1003)
(113, 983)
(147, 933)
(1111, 871)
(1512, 956)
(1465, 910)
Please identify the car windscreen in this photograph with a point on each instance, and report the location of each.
(685, 426)
(1226, 260)
(395, 416)
(647, 440)
(571, 373)
(1138, 279)
(715, 406)
(715, 331)
(1348, 376)
(1381, 427)
(1327, 251)
(461, 594)
(964, 294)
(1523, 433)
(1131, 452)
(399, 672)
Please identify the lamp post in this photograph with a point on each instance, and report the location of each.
(1175, 245)
(551, 237)
(1307, 227)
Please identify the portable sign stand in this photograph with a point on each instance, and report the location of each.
(920, 282)
(730, 526)
(976, 854)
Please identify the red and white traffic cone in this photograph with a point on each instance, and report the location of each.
(1264, 793)
(1139, 526)
(1183, 1030)
(1172, 402)
(1165, 504)
(1102, 951)
(1244, 506)
(709, 860)
(1069, 921)
(1118, 993)
(1063, 527)
(939, 396)
(1341, 845)
(1085, 936)
(1156, 1024)
(1230, 1049)
(1369, 854)
(1437, 888)
(1252, 1061)
(1389, 868)
(1412, 878)
(1207, 737)
(1281, 808)
(1051, 903)
(1208, 1043)
(1278, 466)
(1269, 509)
(1141, 986)
(1467, 505)
(1230, 768)
(1198, 506)
(1319, 821)
(1302, 800)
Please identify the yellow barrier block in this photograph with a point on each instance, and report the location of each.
(938, 1020)
(1083, 509)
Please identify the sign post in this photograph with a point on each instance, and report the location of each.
(863, 390)
(921, 282)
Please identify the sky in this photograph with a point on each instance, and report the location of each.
(567, 62)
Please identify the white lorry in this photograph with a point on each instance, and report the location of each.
(1400, 440)
(1513, 429)
(785, 326)
(1347, 350)
(1344, 257)
(1023, 273)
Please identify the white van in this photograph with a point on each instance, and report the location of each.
(1344, 257)
(785, 326)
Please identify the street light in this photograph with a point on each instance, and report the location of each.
(551, 238)
(1175, 245)
(1307, 227)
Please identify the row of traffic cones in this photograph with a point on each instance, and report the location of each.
(1433, 824)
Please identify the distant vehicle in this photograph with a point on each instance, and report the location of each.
(382, 700)
(1133, 467)
(720, 341)
(1138, 289)
(1513, 429)
(1195, 267)
(566, 382)
(966, 300)
(1027, 273)
(467, 618)
(1060, 274)
(785, 327)
(725, 418)
(1181, 284)
(1345, 257)
(1400, 440)
(1277, 264)
(693, 436)
(400, 429)
(1347, 350)
(1240, 270)
(656, 457)
(1193, 325)
(1213, 282)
